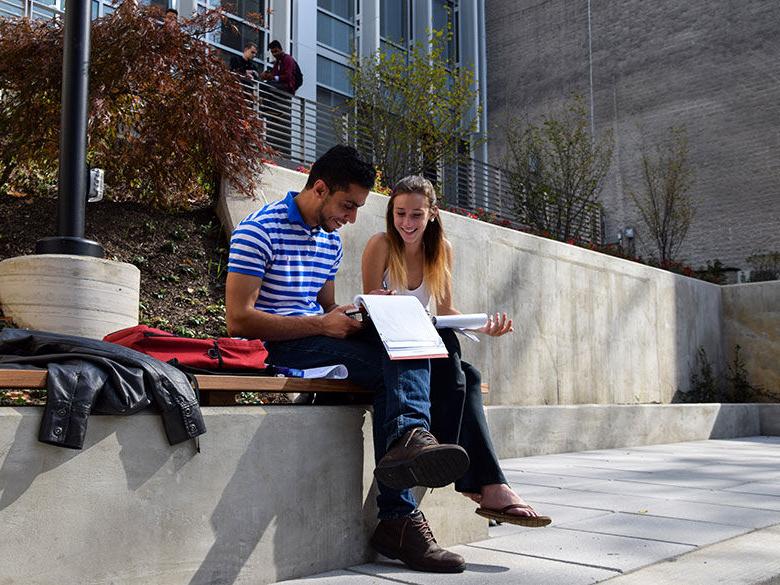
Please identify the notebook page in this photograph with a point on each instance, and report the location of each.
(400, 320)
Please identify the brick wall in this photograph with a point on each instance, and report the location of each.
(713, 67)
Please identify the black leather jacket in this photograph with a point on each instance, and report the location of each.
(86, 376)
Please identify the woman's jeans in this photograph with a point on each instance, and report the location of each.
(401, 392)
(457, 415)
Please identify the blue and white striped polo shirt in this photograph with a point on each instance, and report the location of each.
(293, 260)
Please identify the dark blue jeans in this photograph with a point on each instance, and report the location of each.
(401, 392)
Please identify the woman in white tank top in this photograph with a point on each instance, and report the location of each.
(413, 257)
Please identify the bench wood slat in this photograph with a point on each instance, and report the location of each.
(219, 382)
(11, 379)
(208, 382)
(23, 378)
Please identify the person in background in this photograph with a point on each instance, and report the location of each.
(413, 257)
(244, 65)
(171, 17)
(282, 74)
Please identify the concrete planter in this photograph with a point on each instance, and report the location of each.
(74, 295)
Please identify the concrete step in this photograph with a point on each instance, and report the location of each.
(522, 431)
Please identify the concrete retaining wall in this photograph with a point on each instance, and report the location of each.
(590, 328)
(274, 493)
(751, 319)
(540, 430)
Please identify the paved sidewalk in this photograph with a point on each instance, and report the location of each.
(636, 515)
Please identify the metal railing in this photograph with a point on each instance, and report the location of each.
(299, 131)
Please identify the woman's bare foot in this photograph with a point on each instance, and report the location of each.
(497, 496)
(474, 497)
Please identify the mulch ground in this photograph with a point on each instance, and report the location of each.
(182, 257)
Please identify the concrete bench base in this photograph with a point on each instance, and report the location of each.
(275, 493)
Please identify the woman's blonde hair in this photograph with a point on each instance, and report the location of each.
(436, 271)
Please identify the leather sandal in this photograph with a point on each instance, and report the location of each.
(503, 516)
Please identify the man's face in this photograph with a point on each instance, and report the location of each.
(339, 207)
(276, 52)
(250, 53)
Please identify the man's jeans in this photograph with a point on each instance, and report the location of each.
(401, 392)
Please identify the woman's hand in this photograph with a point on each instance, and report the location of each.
(380, 291)
(497, 325)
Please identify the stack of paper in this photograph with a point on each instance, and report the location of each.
(404, 326)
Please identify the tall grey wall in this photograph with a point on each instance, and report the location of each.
(712, 67)
(589, 328)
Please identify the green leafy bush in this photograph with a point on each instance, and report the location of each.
(411, 112)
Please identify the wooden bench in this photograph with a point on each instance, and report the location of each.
(215, 389)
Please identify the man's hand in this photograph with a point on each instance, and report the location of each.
(336, 324)
(265, 75)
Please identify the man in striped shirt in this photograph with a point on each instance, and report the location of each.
(281, 289)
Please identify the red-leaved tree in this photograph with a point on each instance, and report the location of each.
(166, 116)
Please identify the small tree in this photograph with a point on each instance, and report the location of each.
(665, 204)
(166, 116)
(411, 111)
(764, 266)
(556, 170)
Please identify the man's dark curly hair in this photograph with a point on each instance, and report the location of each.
(341, 167)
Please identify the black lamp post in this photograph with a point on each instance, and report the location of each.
(73, 175)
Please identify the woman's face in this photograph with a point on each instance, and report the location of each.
(411, 214)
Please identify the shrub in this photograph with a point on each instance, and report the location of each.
(556, 170)
(764, 266)
(740, 388)
(713, 272)
(166, 116)
(664, 201)
(704, 387)
(411, 112)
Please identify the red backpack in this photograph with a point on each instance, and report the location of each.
(222, 354)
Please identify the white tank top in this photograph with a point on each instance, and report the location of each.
(421, 292)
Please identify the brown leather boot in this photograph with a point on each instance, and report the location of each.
(417, 458)
(409, 539)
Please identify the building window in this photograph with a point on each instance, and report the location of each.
(248, 21)
(394, 26)
(333, 75)
(445, 17)
(336, 42)
(335, 33)
(342, 8)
